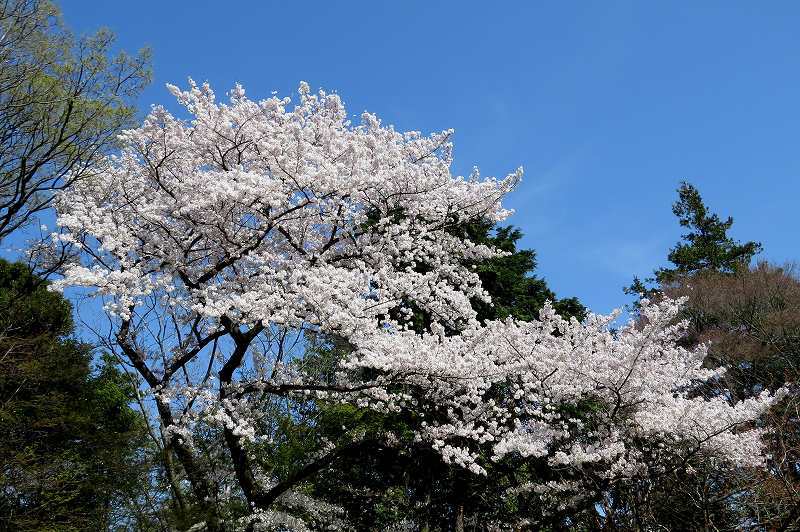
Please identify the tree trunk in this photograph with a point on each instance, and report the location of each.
(201, 488)
(460, 518)
(169, 468)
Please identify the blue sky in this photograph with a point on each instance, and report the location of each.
(607, 105)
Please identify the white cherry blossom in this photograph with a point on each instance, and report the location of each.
(222, 242)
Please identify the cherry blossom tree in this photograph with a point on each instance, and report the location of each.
(223, 243)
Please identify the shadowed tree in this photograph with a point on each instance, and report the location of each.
(70, 440)
(750, 319)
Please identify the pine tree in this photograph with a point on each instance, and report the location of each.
(706, 247)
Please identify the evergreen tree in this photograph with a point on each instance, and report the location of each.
(706, 247)
(709, 267)
(516, 291)
(69, 439)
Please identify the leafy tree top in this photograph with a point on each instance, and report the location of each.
(62, 102)
(706, 247)
(69, 433)
(27, 308)
(515, 290)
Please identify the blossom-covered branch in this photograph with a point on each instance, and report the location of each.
(214, 240)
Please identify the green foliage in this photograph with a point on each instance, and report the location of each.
(707, 247)
(69, 436)
(515, 290)
(62, 102)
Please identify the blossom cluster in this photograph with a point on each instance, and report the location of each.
(264, 213)
(576, 395)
